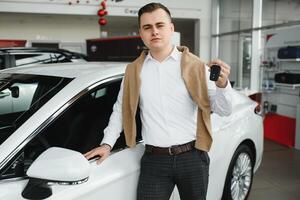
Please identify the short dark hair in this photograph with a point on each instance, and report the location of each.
(150, 8)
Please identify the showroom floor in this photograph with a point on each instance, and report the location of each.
(278, 177)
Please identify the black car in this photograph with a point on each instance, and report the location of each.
(15, 57)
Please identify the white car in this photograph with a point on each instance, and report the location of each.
(41, 148)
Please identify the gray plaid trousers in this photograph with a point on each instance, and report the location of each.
(160, 173)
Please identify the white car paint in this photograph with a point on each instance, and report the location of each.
(46, 165)
(116, 178)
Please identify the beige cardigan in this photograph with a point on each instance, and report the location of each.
(194, 76)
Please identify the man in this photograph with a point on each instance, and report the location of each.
(171, 87)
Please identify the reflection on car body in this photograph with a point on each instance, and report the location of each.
(71, 114)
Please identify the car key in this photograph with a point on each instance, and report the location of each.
(214, 72)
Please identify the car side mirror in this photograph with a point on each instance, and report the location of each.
(15, 91)
(55, 165)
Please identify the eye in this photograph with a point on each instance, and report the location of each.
(146, 27)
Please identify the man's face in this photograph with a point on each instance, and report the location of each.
(156, 29)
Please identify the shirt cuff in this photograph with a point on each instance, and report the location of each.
(225, 89)
(108, 141)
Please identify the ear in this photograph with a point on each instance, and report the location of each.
(141, 34)
(172, 27)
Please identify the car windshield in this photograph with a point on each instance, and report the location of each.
(21, 95)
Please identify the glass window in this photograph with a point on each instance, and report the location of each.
(235, 50)
(277, 12)
(229, 53)
(235, 15)
(22, 95)
(2, 62)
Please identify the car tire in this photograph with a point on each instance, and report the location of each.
(239, 177)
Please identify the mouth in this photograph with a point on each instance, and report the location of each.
(155, 39)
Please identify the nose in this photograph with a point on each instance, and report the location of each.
(154, 31)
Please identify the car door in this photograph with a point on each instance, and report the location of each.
(80, 127)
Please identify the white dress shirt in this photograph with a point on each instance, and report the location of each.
(168, 114)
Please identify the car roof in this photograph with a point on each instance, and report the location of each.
(71, 70)
(31, 49)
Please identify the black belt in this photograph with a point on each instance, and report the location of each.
(173, 150)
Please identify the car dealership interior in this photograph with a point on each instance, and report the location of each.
(61, 68)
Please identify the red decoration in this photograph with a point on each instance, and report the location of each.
(101, 13)
(103, 4)
(102, 22)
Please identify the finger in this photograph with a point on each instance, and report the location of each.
(101, 159)
(221, 82)
(225, 70)
(215, 62)
(87, 153)
(91, 155)
(224, 73)
(221, 76)
(218, 62)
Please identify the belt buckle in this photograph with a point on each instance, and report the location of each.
(170, 151)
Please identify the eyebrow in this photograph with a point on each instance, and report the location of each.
(150, 25)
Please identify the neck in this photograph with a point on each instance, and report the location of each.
(161, 54)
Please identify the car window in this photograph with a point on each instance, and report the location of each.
(81, 127)
(21, 95)
(2, 60)
(34, 58)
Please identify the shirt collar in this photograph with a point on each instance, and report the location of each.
(148, 57)
(175, 54)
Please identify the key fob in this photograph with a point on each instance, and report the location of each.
(214, 72)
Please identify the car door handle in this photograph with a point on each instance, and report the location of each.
(4, 94)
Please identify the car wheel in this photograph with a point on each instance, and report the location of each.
(240, 175)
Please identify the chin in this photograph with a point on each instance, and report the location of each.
(156, 46)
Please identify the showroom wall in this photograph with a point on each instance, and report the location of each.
(68, 28)
(75, 22)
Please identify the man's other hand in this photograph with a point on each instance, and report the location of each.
(225, 71)
(102, 152)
